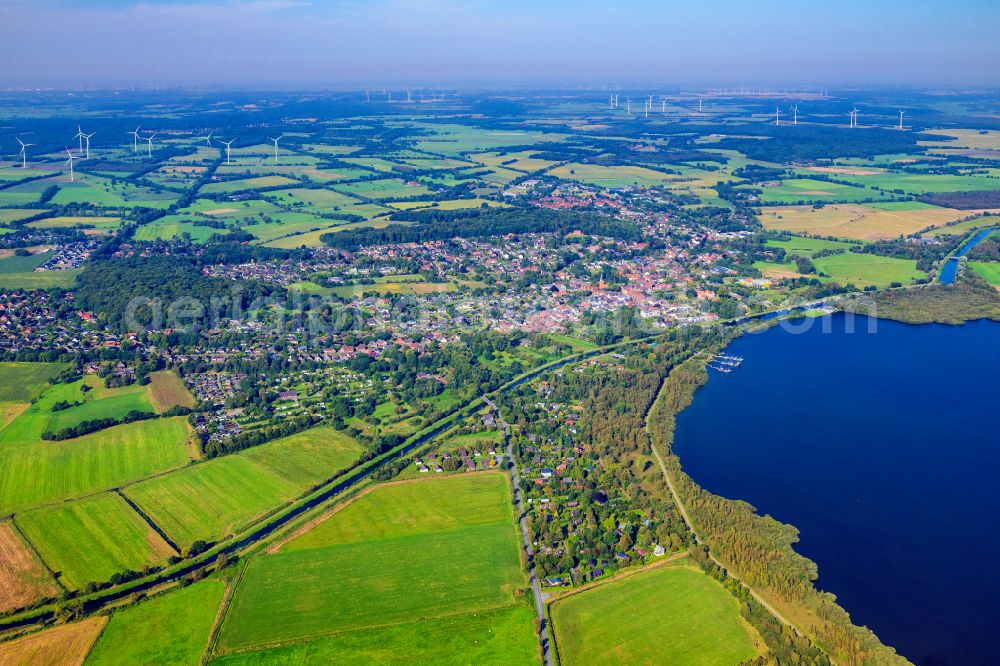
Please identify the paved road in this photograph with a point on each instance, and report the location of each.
(529, 551)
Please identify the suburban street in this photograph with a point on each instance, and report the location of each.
(536, 588)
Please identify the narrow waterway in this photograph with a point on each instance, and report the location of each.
(950, 268)
(882, 450)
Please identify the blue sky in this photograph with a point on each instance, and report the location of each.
(350, 43)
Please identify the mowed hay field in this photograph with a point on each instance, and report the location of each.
(34, 472)
(403, 552)
(217, 497)
(167, 390)
(169, 629)
(668, 615)
(91, 539)
(867, 222)
(97, 402)
(22, 382)
(23, 579)
(65, 645)
(988, 270)
(497, 637)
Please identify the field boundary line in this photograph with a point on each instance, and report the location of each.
(34, 551)
(37, 554)
(149, 521)
(213, 634)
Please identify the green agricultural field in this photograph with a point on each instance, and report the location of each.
(400, 553)
(914, 183)
(22, 382)
(102, 224)
(670, 615)
(15, 264)
(34, 472)
(91, 539)
(168, 229)
(610, 176)
(312, 238)
(386, 188)
(858, 269)
(808, 190)
(313, 198)
(171, 629)
(308, 457)
(963, 228)
(807, 247)
(408, 509)
(246, 184)
(359, 585)
(15, 214)
(39, 280)
(867, 269)
(450, 204)
(988, 270)
(497, 637)
(97, 403)
(212, 499)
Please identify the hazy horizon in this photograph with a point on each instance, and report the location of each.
(304, 43)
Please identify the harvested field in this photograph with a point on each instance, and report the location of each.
(65, 645)
(23, 579)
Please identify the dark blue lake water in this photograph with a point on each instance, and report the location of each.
(883, 450)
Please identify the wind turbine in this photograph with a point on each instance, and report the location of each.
(663, 106)
(611, 101)
(24, 153)
(777, 116)
(795, 115)
(699, 105)
(149, 144)
(87, 137)
(227, 144)
(79, 135)
(628, 105)
(275, 147)
(368, 96)
(208, 138)
(70, 163)
(901, 120)
(135, 139)
(854, 117)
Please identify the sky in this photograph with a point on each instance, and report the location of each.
(455, 43)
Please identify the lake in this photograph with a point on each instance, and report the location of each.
(882, 449)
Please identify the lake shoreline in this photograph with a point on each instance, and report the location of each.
(709, 482)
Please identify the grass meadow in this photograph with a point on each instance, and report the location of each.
(988, 270)
(668, 615)
(91, 539)
(401, 553)
(496, 637)
(35, 472)
(22, 382)
(171, 629)
(215, 498)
